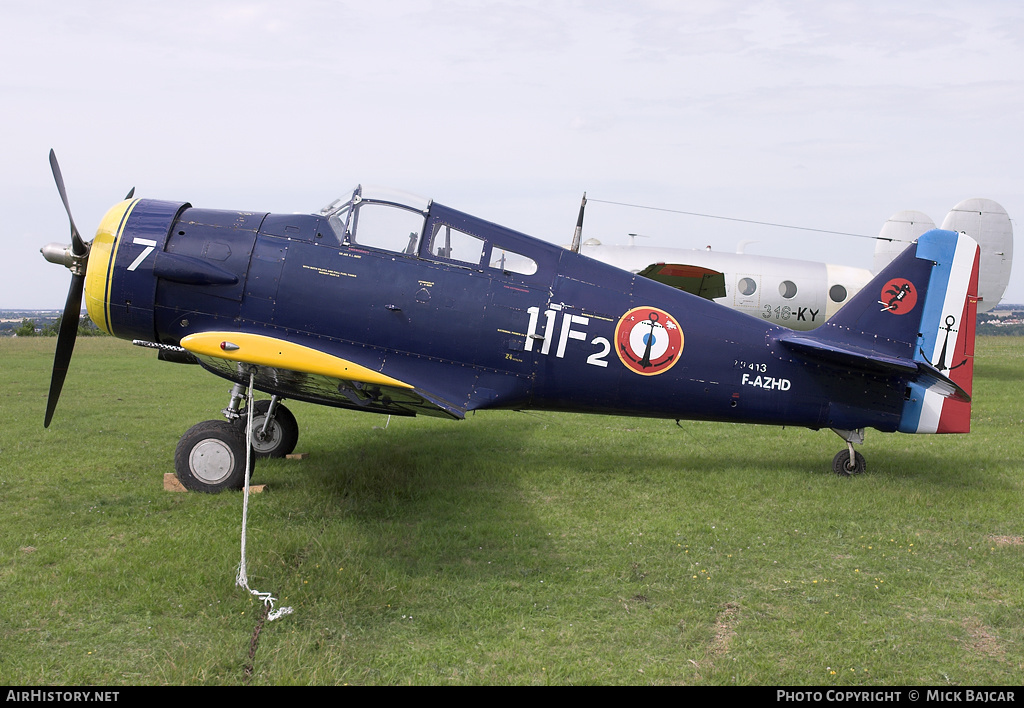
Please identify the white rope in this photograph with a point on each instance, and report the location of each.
(242, 579)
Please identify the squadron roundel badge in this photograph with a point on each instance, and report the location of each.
(648, 340)
(898, 296)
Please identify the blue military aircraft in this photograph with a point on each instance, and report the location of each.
(391, 304)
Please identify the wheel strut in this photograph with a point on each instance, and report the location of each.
(271, 412)
(274, 428)
(233, 411)
(849, 462)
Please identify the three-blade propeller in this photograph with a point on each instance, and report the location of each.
(75, 259)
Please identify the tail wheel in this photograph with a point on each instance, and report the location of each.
(281, 436)
(210, 457)
(841, 463)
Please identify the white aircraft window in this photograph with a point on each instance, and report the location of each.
(446, 242)
(746, 286)
(837, 293)
(387, 227)
(787, 289)
(512, 262)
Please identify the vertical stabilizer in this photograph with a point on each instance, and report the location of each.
(946, 341)
(897, 233)
(918, 313)
(988, 224)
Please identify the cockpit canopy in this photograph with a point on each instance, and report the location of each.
(383, 218)
(395, 221)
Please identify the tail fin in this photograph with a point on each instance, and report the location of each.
(901, 230)
(947, 333)
(914, 320)
(988, 224)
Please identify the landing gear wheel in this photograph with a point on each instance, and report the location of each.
(210, 457)
(841, 463)
(282, 433)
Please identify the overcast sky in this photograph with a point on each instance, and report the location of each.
(826, 115)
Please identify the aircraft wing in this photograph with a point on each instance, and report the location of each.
(696, 280)
(303, 373)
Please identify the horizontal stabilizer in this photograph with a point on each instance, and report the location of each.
(829, 352)
(934, 381)
(919, 372)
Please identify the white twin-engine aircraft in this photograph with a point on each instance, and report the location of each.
(801, 294)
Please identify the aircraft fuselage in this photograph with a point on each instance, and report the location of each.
(572, 335)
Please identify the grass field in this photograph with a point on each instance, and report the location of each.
(510, 548)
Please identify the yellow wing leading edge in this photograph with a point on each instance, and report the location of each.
(303, 373)
(261, 350)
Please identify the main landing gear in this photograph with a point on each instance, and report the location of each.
(849, 462)
(274, 429)
(211, 456)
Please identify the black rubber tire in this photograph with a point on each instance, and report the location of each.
(841, 463)
(282, 436)
(210, 457)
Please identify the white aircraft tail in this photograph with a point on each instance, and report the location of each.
(901, 230)
(981, 219)
(988, 224)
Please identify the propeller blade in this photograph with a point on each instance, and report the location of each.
(65, 343)
(131, 193)
(77, 244)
